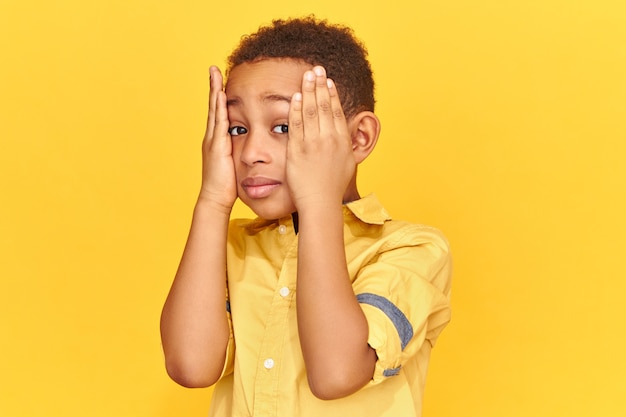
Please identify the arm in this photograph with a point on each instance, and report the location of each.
(194, 325)
(320, 166)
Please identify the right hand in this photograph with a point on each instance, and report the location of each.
(219, 186)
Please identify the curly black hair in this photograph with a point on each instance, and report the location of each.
(315, 42)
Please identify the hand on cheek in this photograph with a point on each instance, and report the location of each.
(218, 172)
(320, 163)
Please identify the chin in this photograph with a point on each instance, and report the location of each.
(270, 211)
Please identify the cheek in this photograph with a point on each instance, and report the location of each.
(237, 146)
(236, 155)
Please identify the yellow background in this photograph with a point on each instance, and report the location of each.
(503, 125)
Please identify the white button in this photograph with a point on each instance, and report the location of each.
(282, 229)
(284, 291)
(269, 363)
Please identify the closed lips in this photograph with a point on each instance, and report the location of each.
(259, 187)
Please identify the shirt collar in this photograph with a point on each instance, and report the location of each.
(367, 209)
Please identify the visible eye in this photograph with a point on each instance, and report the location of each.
(281, 128)
(237, 130)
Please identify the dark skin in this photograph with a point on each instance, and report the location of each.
(311, 170)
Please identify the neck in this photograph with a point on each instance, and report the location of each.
(352, 193)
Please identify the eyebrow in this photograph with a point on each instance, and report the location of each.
(271, 97)
(277, 97)
(232, 102)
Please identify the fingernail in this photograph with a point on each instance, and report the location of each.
(319, 71)
(309, 76)
(329, 83)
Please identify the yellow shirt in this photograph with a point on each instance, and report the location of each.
(400, 273)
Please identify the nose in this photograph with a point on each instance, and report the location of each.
(255, 148)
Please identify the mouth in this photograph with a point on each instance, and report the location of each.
(259, 187)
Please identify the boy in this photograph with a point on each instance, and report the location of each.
(322, 306)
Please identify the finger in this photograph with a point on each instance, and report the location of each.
(220, 133)
(296, 133)
(338, 116)
(310, 120)
(323, 101)
(216, 85)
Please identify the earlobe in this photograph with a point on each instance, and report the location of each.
(365, 131)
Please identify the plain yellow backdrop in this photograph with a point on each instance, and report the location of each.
(503, 125)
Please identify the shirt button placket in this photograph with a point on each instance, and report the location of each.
(271, 349)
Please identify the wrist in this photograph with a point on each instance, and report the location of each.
(319, 213)
(208, 204)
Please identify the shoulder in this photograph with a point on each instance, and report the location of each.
(369, 213)
(409, 253)
(403, 233)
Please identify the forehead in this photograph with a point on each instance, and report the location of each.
(267, 76)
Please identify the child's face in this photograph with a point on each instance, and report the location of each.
(259, 96)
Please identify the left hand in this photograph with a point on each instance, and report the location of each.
(320, 162)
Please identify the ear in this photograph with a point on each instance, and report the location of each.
(364, 129)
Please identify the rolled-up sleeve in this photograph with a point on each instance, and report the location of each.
(405, 295)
